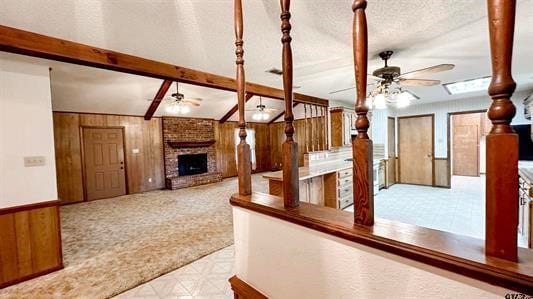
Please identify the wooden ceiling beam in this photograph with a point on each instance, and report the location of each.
(157, 99)
(281, 114)
(235, 108)
(18, 41)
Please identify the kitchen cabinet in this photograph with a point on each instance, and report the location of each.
(525, 207)
(338, 191)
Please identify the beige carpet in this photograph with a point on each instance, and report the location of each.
(112, 245)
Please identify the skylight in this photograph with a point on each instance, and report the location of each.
(468, 85)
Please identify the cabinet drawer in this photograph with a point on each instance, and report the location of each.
(345, 202)
(344, 173)
(344, 192)
(344, 182)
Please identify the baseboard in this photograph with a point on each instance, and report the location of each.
(31, 276)
(242, 290)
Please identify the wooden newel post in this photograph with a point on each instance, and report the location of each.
(290, 147)
(363, 187)
(502, 142)
(244, 165)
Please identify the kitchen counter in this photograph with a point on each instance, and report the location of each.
(307, 172)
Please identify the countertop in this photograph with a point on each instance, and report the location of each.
(307, 172)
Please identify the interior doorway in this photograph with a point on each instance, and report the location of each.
(465, 147)
(104, 167)
(416, 149)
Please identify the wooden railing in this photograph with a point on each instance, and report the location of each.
(502, 142)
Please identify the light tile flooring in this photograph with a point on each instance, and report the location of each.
(459, 210)
(204, 278)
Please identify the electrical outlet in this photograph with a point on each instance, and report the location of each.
(135, 151)
(34, 161)
(149, 180)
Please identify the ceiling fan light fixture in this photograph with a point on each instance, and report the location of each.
(403, 100)
(380, 101)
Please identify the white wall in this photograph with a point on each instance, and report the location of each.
(26, 129)
(284, 260)
(441, 110)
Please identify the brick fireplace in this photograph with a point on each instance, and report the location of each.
(191, 139)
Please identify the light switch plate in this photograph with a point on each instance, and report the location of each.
(135, 151)
(34, 161)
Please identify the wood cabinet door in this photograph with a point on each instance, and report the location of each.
(415, 148)
(104, 162)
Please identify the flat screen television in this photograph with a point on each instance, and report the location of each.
(525, 147)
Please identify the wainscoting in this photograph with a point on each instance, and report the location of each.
(442, 172)
(143, 152)
(30, 242)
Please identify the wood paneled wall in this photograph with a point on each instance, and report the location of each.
(140, 167)
(442, 172)
(277, 136)
(225, 147)
(30, 242)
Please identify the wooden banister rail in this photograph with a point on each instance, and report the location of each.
(291, 192)
(363, 187)
(244, 166)
(502, 142)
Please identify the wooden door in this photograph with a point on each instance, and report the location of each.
(391, 144)
(415, 148)
(104, 162)
(466, 129)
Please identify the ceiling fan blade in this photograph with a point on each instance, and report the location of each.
(427, 71)
(270, 109)
(190, 103)
(341, 90)
(193, 99)
(418, 82)
(375, 78)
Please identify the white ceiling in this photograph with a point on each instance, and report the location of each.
(199, 34)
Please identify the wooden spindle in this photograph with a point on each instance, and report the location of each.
(502, 143)
(317, 129)
(291, 192)
(305, 129)
(312, 129)
(363, 187)
(326, 126)
(244, 165)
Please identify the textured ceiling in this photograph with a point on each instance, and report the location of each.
(199, 34)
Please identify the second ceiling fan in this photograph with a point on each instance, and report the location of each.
(388, 75)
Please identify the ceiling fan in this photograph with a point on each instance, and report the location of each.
(388, 75)
(261, 112)
(179, 104)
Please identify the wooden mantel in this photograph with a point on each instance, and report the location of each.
(184, 144)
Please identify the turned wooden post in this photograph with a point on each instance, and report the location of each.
(291, 190)
(363, 187)
(502, 143)
(244, 165)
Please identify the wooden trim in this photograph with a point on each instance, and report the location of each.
(235, 108)
(281, 114)
(432, 144)
(242, 290)
(459, 254)
(33, 275)
(108, 114)
(157, 99)
(28, 43)
(182, 144)
(31, 206)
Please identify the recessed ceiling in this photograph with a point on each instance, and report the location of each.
(199, 34)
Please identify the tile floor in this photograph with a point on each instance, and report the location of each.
(460, 210)
(204, 278)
